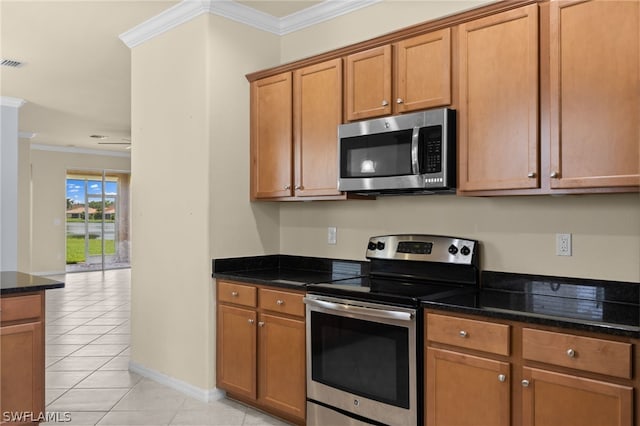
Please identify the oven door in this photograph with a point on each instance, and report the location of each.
(361, 358)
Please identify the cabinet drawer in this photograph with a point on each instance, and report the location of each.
(582, 353)
(21, 307)
(237, 293)
(466, 333)
(282, 301)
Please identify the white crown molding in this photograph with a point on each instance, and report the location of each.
(182, 12)
(321, 12)
(189, 9)
(11, 102)
(76, 150)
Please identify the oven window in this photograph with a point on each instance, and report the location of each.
(377, 155)
(365, 358)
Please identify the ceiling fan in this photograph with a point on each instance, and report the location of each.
(102, 138)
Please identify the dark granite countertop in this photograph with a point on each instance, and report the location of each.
(581, 304)
(609, 307)
(13, 282)
(284, 271)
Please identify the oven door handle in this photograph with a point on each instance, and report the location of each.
(380, 313)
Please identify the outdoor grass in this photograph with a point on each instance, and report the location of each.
(75, 248)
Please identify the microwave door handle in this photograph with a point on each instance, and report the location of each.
(380, 313)
(415, 164)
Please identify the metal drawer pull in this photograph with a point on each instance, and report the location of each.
(234, 294)
(251, 321)
(525, 383)
(260, 323)
(463, 333)
(280, 302)
(502, 378)
(554, 175)
(385, 103)
(571, 353)
(531, 175)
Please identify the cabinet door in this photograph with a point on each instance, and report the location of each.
(236, 350)
(466, 390)
(368, 90)
(595, 93)
(22, 368)
(559, 399)
(498, 113)
(281, 364)
(423, 71)
(271, 137)
(317, 114)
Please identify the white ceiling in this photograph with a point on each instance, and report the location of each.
(76, 73)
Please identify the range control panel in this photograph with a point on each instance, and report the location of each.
(420, 247)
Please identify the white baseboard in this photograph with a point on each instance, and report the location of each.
(204, 395)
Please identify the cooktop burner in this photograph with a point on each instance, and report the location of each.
(406, 269)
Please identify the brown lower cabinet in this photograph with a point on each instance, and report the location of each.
(261, 348)
(478, 374)
(22, 358)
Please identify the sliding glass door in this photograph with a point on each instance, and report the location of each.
(97, 220)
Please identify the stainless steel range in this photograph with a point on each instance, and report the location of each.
(364, 335)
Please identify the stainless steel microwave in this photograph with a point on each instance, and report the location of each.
(409, 153)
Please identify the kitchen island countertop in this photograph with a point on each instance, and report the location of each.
(14, 282)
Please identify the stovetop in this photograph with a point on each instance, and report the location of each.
(388, 291)
(410, 268)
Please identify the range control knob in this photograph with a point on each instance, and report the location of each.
(453, 249)
(371, 246)
(465, 251)
(380, 245)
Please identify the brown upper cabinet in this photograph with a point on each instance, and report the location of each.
(498, 111)
(294, 121)
(317, 106)
(271, 138)
(584, 134)
(595, 94)
(418, 76)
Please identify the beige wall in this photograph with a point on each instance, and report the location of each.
(48, 174)
(238, 227)
(517, 233)
(190, 126)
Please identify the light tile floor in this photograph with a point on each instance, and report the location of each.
(87, 359)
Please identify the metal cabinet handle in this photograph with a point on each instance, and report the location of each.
(571, 353)
(554, 175)
(260, 323)
(399, 100)
(463, 333)
(234, 294)
(525, 383)
(502, 378)
(280, 302)
(251, 321)
(531, 175)
(297, 187)
(287, 187)
(385, 103)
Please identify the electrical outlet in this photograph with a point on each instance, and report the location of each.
(332, 235)
(563, 244)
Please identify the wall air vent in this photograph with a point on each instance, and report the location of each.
(11, 63)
